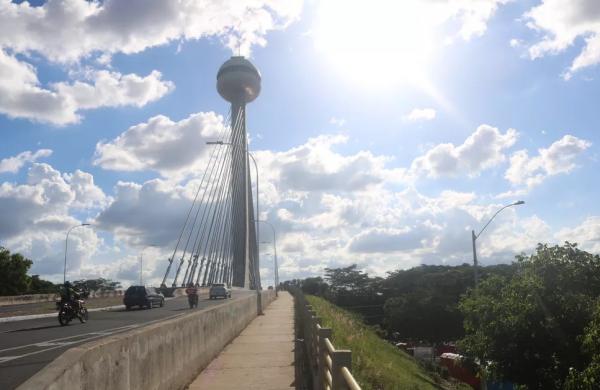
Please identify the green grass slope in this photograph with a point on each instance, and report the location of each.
(376, 364)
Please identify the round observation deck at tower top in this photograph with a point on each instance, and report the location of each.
(238, 81)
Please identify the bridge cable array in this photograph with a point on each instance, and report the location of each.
(211, 246)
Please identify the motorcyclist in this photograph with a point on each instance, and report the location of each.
(70, 295)
(192, 293)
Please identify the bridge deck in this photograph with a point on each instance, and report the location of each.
(261, 357)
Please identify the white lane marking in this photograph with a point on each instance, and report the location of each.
(97, 336)
(65, 338)
(49, 344)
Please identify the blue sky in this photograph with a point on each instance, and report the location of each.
(385, 131)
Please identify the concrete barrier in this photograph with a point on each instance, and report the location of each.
(29, 298)
(167, 355)
(40, 298)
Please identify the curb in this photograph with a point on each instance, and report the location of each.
(50, 315)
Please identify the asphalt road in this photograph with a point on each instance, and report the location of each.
(27, 346)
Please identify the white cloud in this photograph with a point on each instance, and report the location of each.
(515, 43)
(162, 145)
(15, 163)
(420, 114)
(147, 214)
(558, 158)
(315, 166)
(587, 234)
(67, 30)
(22, 95)
(112, 89)
(37, 214)
(562, 23)
(321, 220)
(481, 150)
(382, 240)
(339, 122)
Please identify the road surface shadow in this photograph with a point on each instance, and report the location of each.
(35, 328)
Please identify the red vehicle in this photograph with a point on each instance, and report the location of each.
(453, 362)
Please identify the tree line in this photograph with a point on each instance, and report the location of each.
(14, 278)
(535, 322)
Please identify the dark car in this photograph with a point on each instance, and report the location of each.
(143, 297)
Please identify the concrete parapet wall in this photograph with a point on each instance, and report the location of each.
(23, 299)
(166, 355)
(38, 298)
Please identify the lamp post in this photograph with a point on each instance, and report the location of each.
(67, 247)
(275, 264)
(474, 238)
(257, 262)
(142, 262)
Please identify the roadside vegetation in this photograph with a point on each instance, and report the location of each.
(376, 364)
(535, 322)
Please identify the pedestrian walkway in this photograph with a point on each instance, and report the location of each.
(261, 357)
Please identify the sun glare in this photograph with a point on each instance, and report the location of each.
(379, 42)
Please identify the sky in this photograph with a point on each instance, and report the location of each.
(384, 133)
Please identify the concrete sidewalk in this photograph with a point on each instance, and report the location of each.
(261, 357)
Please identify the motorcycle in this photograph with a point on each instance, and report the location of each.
(67, 312)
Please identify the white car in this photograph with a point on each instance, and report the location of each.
(219, 290)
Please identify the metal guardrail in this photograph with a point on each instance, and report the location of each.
(329, 367)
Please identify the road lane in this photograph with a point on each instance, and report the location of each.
(27, 346)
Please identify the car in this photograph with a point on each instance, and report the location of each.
(143, 296)
(219, 290)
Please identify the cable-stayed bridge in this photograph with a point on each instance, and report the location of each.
(218, 240)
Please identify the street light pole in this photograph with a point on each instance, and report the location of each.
(67, 247)
(275, 264)
(474, 238)
(257, 262)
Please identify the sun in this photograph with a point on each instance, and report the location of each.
(377, 42)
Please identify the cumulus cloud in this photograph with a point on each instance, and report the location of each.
(526, 172)
(562, 23)
(420, 114)
(481, 150)
(112, 89)
(315, 166)
(22, 95)
(145, 214)
(161, 144)
(15, 163)
(36, 214)
(382, 240)
(587, 234)
(67, 30)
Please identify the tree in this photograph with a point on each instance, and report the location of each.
(356, 291)
(314, 286)
(589, 377)
(346, 279)
(530, 326)
(13, 273)
(422, 302)
(40, 286)
(99, 284)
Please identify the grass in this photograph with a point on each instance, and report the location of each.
(376, 364)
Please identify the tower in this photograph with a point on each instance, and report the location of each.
(238, 82)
